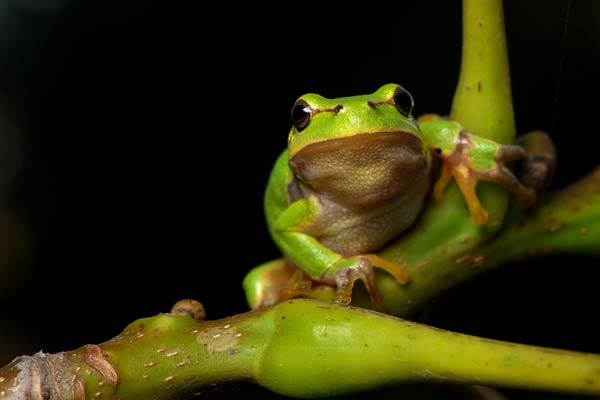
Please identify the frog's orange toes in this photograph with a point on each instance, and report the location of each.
(467, 182)
(442, 182)
(298, 285)
(399, 273)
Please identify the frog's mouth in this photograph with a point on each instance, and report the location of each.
(364, 170)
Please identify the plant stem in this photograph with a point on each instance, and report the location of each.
(568, 222)
(300, 348)
(483, 100)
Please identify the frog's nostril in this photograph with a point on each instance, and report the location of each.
(371, 104)
(338, 108)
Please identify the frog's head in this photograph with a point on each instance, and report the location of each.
(371, 141)
(318, 119)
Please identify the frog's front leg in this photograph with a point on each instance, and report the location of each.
(469, 158)
(324, 265)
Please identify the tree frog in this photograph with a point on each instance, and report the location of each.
(356, 174)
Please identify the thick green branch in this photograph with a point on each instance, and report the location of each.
(568, 222)
(301, 348)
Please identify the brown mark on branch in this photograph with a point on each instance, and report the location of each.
(97, 359)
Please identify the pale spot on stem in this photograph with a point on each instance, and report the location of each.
(217, 339)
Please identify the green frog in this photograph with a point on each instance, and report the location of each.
(355, 175)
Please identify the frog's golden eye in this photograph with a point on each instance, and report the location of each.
(403, 101)
(301, 113)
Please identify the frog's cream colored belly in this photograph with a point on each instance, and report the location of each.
(369, 188)
(348, 233)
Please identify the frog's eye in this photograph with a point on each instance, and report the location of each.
(403, 101)
(301, 115)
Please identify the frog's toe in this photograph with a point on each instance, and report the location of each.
(345, 278)
(298, 285)
(442, 182)
(466, 179)
(399, 272)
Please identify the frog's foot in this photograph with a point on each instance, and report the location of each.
(504, 177)
(461, 163)
(280, 280)
(345, 276)
(298, 285)
(538, 167)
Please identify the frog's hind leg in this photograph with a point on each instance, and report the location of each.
(263, 283)
(504, 177)
(276, 281)
(538, 156)
(297, 285)
(467, 176)
(480, 159)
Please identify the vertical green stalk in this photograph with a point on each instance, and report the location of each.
(483, 100)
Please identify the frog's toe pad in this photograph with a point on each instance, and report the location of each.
(479, 215)
(345, 278)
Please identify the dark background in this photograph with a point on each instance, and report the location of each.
(148, 130)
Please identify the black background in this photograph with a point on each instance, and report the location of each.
(149, 130)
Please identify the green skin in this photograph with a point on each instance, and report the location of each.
(355, 176)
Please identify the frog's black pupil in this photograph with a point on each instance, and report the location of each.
(300, 115)
(404, 102)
